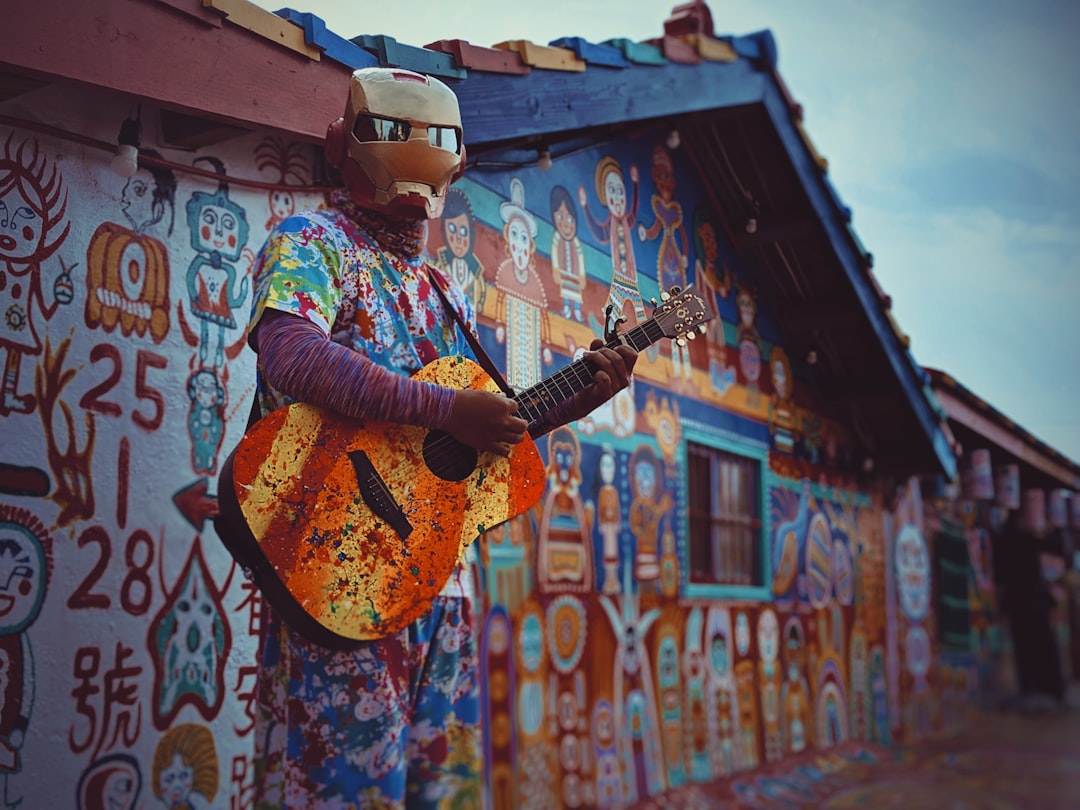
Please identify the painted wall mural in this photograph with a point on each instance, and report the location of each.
(127, 635)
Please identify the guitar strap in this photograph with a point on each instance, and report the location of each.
(482, 356)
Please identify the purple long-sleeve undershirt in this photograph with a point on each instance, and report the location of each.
(301, 362)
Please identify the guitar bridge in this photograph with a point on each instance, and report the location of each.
(377, 496)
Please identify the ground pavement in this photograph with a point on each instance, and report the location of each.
(1004, 760)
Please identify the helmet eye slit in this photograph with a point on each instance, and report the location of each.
(373, 128)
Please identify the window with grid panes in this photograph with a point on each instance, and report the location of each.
(725, 522)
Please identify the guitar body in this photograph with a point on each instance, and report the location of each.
(352, 528)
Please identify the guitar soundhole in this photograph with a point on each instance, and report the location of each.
(448, 458)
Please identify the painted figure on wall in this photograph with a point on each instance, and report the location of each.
(535, 788)
(669, 691)
(770, 682)
(651, 502)
(521, 308)
(498, 689)
(615, 230)
(185, 771)
(723, 701)
(127, 269)
(830, 710)
(609, 517)
(749, 716)
(564, 558)
(206, 419)
(750, 355)
(457, 258)
(696, 704)
(713, 278)
(567, 253)
(284, 160)
(219, 233)
(798, 715)
(110, 783)
(33, 204)
(191, 642)
(637, 725)
(25, 570)
(783, 418)
(568, 721)
(671, 263)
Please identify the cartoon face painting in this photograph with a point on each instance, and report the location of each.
(20, 229)
(458, 234)
(218, 231)
(22, 577)
(176, 782)
(663, 174)
(519, 242)
(565, 222)
(615, 193)
(137, 200)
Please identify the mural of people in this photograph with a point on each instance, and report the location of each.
(284, 160)
(672, 260)
(564, 546)
(614, 231)
(521, 308)
(25, 570)
(206, 419)
(713, 278)
(457, 257)
(219, 233)
(567, 253)
(749, 342)
(33, 207)
(797, 712)
(609, 517)
(783, 417)
(650, 503)
(185, 769)
(127, 269)
(637, 724)
(723, 702)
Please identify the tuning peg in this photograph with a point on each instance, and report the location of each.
(664, 296)
(702, 328)
(653, 302)
(691, 335)
(680, 341)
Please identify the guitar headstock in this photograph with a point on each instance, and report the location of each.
(681, 314)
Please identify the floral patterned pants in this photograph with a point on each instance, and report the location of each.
(392, 724)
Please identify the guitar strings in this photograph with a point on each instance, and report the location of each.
(543, 396)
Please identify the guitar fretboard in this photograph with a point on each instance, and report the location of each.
(535, 402)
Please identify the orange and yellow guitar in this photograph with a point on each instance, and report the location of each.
(351, 528)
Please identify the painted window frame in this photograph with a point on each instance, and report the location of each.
(727, 442)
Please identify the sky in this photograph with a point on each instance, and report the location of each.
(952, 131)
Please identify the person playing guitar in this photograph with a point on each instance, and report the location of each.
(345, 313)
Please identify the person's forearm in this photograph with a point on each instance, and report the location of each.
(301, 362)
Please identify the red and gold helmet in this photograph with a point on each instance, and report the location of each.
(398, 146)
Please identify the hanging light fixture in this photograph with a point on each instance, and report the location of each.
(126, 160)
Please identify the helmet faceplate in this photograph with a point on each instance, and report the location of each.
(402, 141)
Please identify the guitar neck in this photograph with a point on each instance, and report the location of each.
(535, 402)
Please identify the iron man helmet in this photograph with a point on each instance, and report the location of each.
(398, 145)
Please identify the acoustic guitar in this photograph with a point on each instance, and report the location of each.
(351, 528)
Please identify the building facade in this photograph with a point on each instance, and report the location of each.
(730, 563)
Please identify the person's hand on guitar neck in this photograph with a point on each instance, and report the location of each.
(611, 374)
(488, 422)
